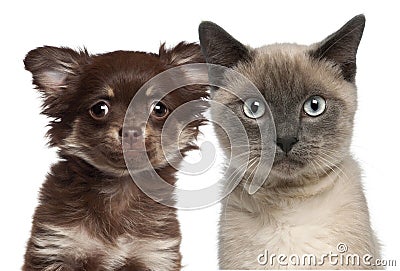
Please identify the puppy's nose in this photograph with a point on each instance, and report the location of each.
(286, 143)
(131, 133)
(130, 136)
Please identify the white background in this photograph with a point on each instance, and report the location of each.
(103, 27)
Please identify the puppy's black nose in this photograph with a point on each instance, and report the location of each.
(286, 143)
(134, 133)
(130, 136)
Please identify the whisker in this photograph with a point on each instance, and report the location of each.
(321, 166)
(315, 170)
(231, 179)
(251, 164)
(236, 146)
(333, 164)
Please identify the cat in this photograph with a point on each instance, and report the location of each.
(312, 201)
(91, 215)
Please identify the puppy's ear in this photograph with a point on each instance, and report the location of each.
(219, 47)
(183, 53)
(341, 47)
(52, 68)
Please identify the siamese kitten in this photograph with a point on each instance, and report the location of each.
(312, 199)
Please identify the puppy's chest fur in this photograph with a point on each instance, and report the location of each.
(88, 223)
(92, 253)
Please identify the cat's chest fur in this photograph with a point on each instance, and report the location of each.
(315, 224)
(285, 229)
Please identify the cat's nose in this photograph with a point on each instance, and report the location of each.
(286, 143)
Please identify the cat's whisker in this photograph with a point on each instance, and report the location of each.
(326, 164)
(333, 164)
(236, 146)
(256, 159)
(315, 170)
(232, 177)
(237, 170)
(325, 161)
(251, 164)
(334, 153)
(243, 157)
(321, 166)
(242, 154)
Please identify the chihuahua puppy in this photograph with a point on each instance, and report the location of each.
(91, 215)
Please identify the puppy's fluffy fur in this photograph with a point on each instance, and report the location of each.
(91, 215)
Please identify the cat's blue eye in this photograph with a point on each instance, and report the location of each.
(254, 108)
(314, 106)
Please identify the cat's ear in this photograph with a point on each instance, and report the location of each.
(183, 53)
(219, 47)
(52, 67)
(341, 47)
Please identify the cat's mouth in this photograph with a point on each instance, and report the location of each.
(287, 165)
(287, 160)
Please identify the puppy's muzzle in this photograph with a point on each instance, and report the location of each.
(132, 139)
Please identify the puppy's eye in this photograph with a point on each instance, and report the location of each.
(314, 106)
(254, 108)
(159, 110)
(99, 110)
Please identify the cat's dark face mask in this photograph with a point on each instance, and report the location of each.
(309, 90)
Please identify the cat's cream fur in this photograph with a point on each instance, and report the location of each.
(305, 210)
(314, 218)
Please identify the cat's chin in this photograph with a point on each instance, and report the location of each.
(287, 168)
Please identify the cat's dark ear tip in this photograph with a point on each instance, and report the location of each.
(206, 26)
(359, 19)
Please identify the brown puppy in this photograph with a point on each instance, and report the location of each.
(91, 215)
